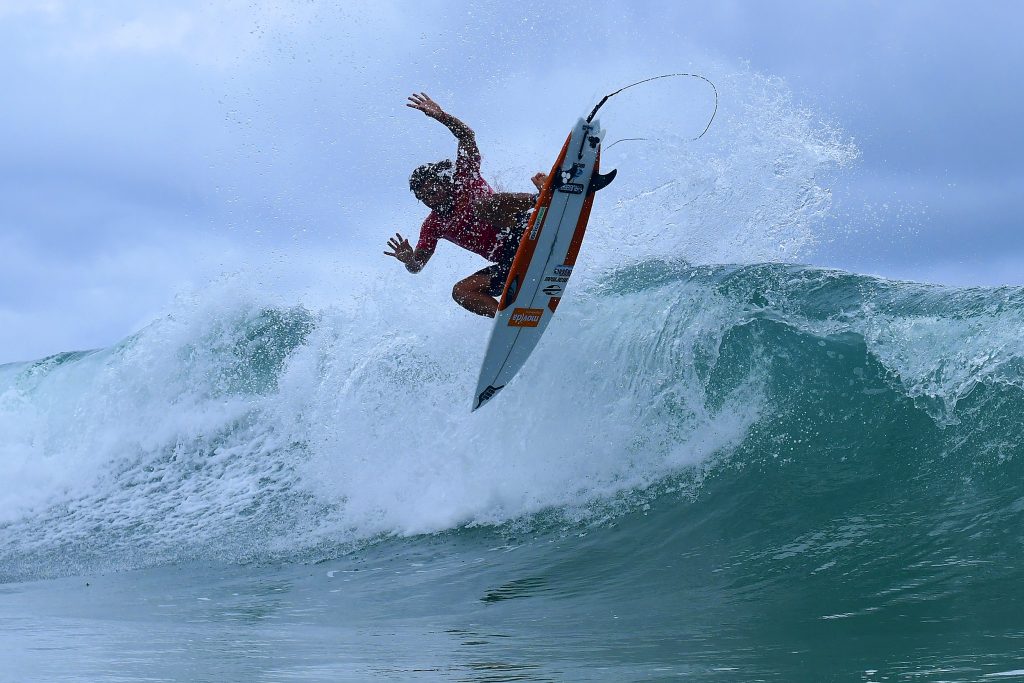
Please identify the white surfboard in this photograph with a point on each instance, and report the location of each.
(545, 258)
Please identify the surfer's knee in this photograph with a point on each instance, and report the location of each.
(463, 290)
(470, 287)
(473, 295)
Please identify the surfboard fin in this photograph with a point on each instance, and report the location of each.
(599, 181)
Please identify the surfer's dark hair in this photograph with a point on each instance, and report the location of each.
(438, 170)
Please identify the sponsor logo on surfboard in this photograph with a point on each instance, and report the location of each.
(541, 212)
(488, 393)
(573, 172)
(525, 317)
(552, 290)
(561, 274)
(571, 188)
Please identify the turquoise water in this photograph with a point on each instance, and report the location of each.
(730, 473)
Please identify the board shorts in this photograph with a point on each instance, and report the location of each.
(499, 271)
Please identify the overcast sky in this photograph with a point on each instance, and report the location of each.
(149, 147)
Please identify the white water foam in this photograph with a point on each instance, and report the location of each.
(172, 439)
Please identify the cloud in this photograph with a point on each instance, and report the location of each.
(221, 34)
(13, 8)
(51, 303)
(276, 122)
(170, 32)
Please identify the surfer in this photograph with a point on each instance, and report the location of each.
(465, 211)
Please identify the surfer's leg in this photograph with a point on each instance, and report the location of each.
(472, 293)
(480, 291)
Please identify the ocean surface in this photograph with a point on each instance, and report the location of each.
(759, 472)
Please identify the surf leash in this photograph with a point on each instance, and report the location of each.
(648, 80)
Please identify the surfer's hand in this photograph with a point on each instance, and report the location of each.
(539, 180)
(400, 249)
(426, 105)
(461, 131)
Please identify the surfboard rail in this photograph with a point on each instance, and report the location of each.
(545, 258)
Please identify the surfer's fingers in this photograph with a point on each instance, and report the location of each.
(425, 100)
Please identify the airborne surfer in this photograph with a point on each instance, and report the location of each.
(465, 211)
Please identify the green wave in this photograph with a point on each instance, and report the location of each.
(884, 428)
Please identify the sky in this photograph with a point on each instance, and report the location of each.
(150, 148)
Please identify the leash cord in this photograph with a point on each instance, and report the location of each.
(654, 78)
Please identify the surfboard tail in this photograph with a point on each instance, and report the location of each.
(599, 181)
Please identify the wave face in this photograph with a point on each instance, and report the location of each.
(855, 426)
(782, 472)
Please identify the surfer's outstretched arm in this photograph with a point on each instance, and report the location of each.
(463, 133)
(413, 259)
